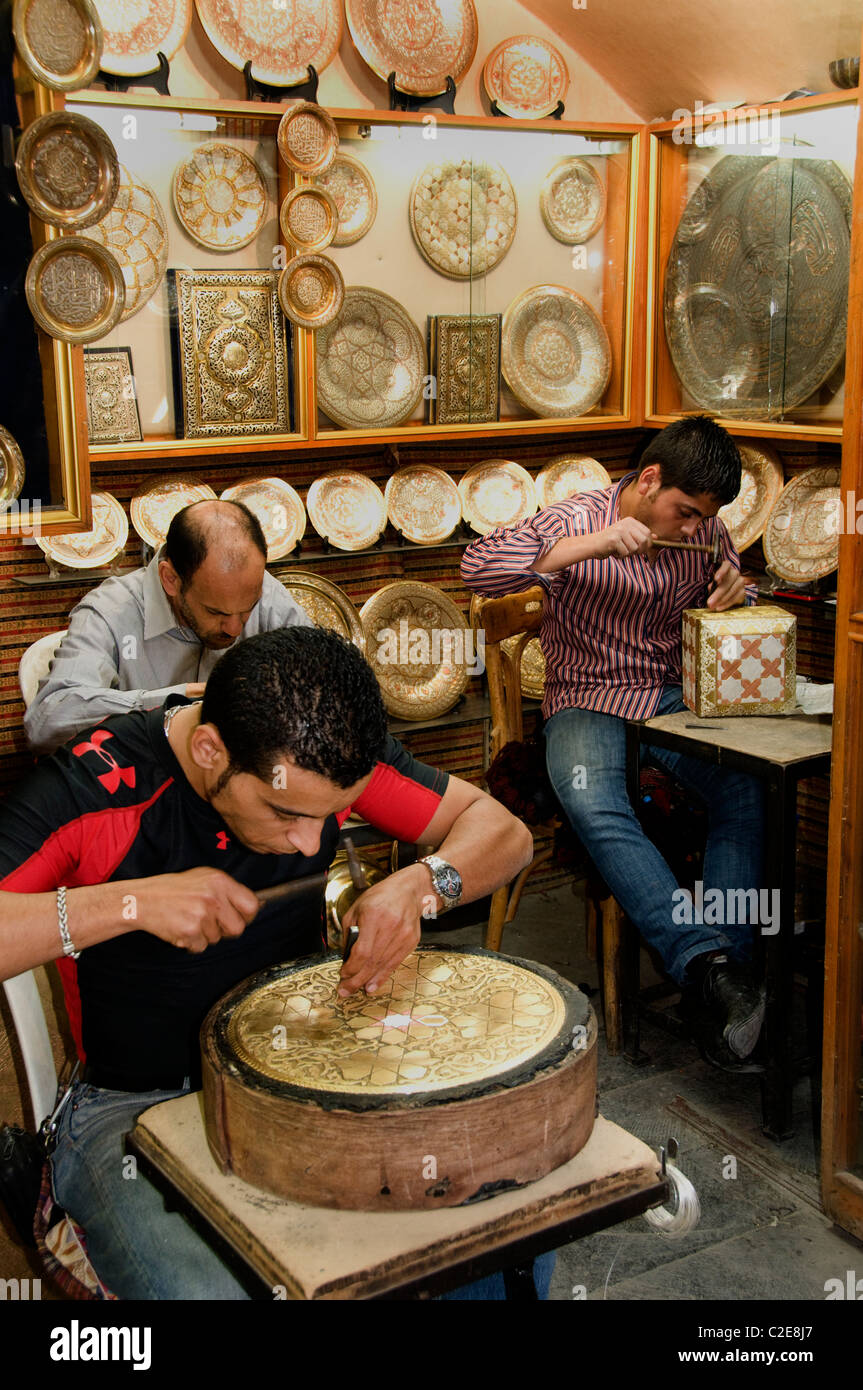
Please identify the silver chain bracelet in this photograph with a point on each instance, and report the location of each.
(63, 923)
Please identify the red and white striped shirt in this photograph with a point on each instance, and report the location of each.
(611, 628)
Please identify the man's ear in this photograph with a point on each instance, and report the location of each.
(648, 480)
(207, 750)
(170, 579)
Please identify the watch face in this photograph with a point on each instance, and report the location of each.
(448, 882)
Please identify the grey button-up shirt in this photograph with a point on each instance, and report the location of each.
(124, 650)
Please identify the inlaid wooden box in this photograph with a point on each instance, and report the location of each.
(742, 661)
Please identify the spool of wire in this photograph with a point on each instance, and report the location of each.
(682, 1214)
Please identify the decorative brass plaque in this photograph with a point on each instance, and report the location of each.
(112, 409)
(464, 351)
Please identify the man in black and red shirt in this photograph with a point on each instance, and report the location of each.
(142, 844)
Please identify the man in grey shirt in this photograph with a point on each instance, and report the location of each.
(136, 640)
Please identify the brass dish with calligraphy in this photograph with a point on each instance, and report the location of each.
(327, 605)
(135, 32)
(308, 138)
(801, 538)
(423, 503)
(157, 502)
(279, 39)
(278, 508)
(572, 201)
(463, 216)
(136, 234)
(371, 362)
(89, 549)
(347, 509)
(309, 219)
(420, 648)
(75, 289)
(525, 77)
(67, 170)
(12, 467)
(59, 40)
(496, 492)
(422, 42)
(532, 666)
(311, 291)
(568, 474)
(352, 189)
(555, 352)
(761, 482)
(220, 196)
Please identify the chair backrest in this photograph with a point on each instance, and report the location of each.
(512, 615)
(36, 662)
(34, 1041)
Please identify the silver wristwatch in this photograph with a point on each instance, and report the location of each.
(445, 879)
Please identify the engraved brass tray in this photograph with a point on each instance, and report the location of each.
(532, 667)
(419, 647)
(98, 546)
(347, 509)
(572, 201)
(525, 77)
(311, 291)
(12, 467)
(463, 216)
(136, 234)
(756, 285)
(59, 40)
(309, 219)
(307, 138)
(135, 32)
(157, 502)
(496, 492)
(280, 40)
(67, 170)
(75, 289)
(801, 538)
(278, 508)
(327, 605)
(422, 42)
(371, 362)
(568, 474)
(112, 408)
(423, 503)
(352, 189)
(220, 196)
(555, 352)
(761, 482)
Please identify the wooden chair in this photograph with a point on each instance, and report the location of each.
(519, 616)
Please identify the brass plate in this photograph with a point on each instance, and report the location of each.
(463, 216)
(756, 285)
(340, 893)
(415, 644)
(88, 549)
(307, 138)
(136, 31)
(352, 189)
(572, 201)
(308, 219)
(220, 196)
(464, 352)
(327, 605)
(67, 170)
(801, 538)
(280, 40)
(555, 352)
(136, 234)
(12, 467)
(59, 40)
(444, 1018)
(157, 502)
(371, 362)
(75, 289)
(532, 667)
(568, 474)
(347, 509)
(496, 492)
(422, 42)
(526, 77)
(761, 482)
(278, 508)
(311, 291)
(423, 503)
(112, 407)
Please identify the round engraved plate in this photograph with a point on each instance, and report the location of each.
(761, 482)
(555, 353)
(352, 189)
(419, 647)
(422, 41)
(137, 31)
(98, 546)
(568, 474)
(463, 216)
(278, 508)
(572, 201)
(220, 196)
(532, 667)
(371, 362)
(11, 467)
(279, 39)
(525, 77)
(59, 40)
(801, 538)
(496, 493)
(347, 509)
(307, 138)
(75, 289)
(136, 234)
(327, 605)
(157, 502)
(423, 503)
(67, 170)
(311, 291)
(308, 219)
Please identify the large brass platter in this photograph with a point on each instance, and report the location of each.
(801, 538)
(157, 502)
(311, 291)
(98, 546)
(423, 503)
(419, 647)
(352, 189)
(555, 352)
(135, 32)
(278, 508)
(308, 138)
(371, 362)
(75, 289)
(756, 286)
(532, 667)
(136, 234)
(347, 509)
(220, 196)
(12, 467)
(572, 201)
(327, 605)
(59, 40)
(463, 216)
(526, 77)
(280, 40)
(496, 492)
(568, 474)
(761, 482)
(423, 42)
(67, 170)
(308, 219)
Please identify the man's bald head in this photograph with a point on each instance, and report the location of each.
(225, 531)
(212, 571)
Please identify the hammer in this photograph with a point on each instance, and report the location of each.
(714, 550)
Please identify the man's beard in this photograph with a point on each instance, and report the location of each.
(182, 612)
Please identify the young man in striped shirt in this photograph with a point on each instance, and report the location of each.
(611, 636)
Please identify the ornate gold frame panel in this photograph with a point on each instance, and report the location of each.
(464, 360)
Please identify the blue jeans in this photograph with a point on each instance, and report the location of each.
(586, 758)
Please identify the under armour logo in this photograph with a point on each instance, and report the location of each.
(110, 780)
(222, 841)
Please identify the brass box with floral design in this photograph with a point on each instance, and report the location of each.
(742, 661)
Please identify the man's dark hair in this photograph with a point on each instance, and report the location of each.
(299, 693)
(697, 456)
(197, 528)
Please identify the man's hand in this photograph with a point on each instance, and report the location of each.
(729, 588)
(195, 909)
(195, 690)
(388, 918)
(625, 537)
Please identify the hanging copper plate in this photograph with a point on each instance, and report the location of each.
(136, 234)
(496, 492)
(280, 40)
(220, 196)
(371, 362)
(278, 508)
(463, 216)
(157, 502)
(415, 644)
(307, 138)
(89, 549)
(801, 538)
(568, 474)
(327, 605)
(12, 467)
(311, 291)
(75, 289)
(423, 503)
(308, 219)
(422, 42)
(761, 482)
(572, 201)
(59, 40)
(135, 32)
(347, 509)
(67, 170)
(555, 352)
(526, 77)
(352, 189)
(532, 666)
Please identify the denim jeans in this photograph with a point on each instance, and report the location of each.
(586, 758)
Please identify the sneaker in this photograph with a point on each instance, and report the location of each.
(722, 1001)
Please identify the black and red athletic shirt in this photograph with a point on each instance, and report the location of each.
(114, 804)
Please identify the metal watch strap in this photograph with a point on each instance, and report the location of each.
(63, 923)
(439, 869)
